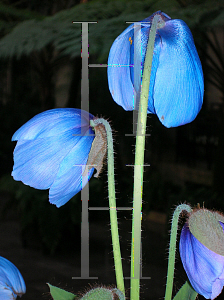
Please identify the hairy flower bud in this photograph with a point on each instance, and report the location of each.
(202, 251)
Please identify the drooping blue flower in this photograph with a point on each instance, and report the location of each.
(204, 262)
(176, 84)
(52, 151)
(11, 281)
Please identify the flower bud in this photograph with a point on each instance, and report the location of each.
(104, 294)
(202, 252)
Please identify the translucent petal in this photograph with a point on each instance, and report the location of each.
(36, 162)
(49, 145)
(118, 70)
(11, 280)
(69, 180)
(176, 83)
(6, 290)
(6, 293)
(53, 122)
(204, 268)
(179, 84)
(217, 287)
(140, 41)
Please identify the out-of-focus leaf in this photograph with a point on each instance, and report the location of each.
(8, 11)
(33, 35)
(186, 292)
(59, 294)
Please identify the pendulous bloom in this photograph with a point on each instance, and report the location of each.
(202, 252)
(11, 281)
(52, 152)
(176, 84)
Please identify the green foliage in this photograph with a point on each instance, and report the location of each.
(33, 35)
(94, 294)
(59, 294)
(29, 36)
(10, 16)
(12, 13)
(186, 292)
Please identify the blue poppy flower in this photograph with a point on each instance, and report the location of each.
(176, 84)
(51, 151)
(204, 262)
(11, 281)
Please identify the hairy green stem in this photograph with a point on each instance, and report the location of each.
(172, 249)
(139, 165)
(112, 204)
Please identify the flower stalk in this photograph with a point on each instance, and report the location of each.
(172, 249)
(112, 204)
(139, 164)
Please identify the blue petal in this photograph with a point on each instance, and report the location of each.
(179, 85)
(69, 180)
(119, 79)
(222, 224)
(204, 268)
(6, 293)
(176, 84)
(52, 123)
(11, 280)
(141, 40)
(123, 78)
(137, 58)
(47, 145)
(6, 290)
(36, 162)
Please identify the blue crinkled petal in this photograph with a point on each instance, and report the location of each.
(69, 180)
(179, 84)
(52, 123)
(204, 267)
(36, 162)
(11, 280)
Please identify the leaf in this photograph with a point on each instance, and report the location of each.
(186, 292)
(59, 294)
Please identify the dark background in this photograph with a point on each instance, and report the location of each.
(40, 68)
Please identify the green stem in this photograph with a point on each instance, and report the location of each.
(112, 204)
(172, 248)
(139, 164)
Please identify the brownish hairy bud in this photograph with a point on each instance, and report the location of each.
(98, 150)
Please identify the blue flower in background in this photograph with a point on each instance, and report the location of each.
(204, 267)
(51, 151)
(176, 84)
(11, 281)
